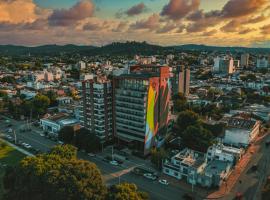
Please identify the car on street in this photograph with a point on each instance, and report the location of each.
(91, 155)
(114, 162)
(163, 182)
(10, 138)
(60, 142)
(42, 135)
(150, 176)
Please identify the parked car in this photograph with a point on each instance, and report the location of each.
(150, 176)
(163, 182)
(91, 155)
(114, 162)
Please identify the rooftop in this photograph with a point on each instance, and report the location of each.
(241, 123)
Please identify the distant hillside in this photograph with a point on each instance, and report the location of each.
(127, 48)
(195, 47)
(131, 48)
(43, 50)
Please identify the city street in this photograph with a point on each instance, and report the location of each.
(110, 173)
(251, 182)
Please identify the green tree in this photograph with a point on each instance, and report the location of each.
(40, 104)
(52, 96)
(88, 141)
(198, 138)
(180, 102)
(67, 135)
(186, 119)
(65, 151)
(157, 156)
(125, 191)
(52, 176)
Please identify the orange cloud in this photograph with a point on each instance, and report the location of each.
(18, 11)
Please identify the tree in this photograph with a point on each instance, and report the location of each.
(180, 102)
(125, 191)
(52, 176)
(40, 104)
(157, 155)
(65, 151)
(185, 119)
(67, 134)
(198, 138)
(88, 141)
(52, 96)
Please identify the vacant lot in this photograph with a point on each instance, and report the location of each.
(8, 156)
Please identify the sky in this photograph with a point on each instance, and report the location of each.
(162, 22)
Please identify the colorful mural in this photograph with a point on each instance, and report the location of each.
(157, 117)
(152, 114)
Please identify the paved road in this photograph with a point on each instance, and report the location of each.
(251, 182)
(110, 173)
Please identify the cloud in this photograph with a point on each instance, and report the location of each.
(136, 10)
(246, 31)
(255, 20)
(209, 33)
(239, 8)
(121, 27)
(168, 27)
(232, 26)
(20, 11)
(66, 17)
(97, 25)
(201, 25)
(151, 23)
(265, 29)
(178, 9)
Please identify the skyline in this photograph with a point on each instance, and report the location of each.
(163, 22)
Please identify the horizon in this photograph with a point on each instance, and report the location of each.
(123, 42)
(243, 23)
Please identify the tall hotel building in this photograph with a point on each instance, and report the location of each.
(141, 106)
(180, 80)
(97, 107)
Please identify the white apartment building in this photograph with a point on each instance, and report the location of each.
(224, 65)
(241, 132)
(262, 63)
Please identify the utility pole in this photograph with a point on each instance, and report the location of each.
(15, 137)
(112, 154)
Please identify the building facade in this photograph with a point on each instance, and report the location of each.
(224, 65)
(244, 62)
(141, 106)
(180, 80)
(97, 108)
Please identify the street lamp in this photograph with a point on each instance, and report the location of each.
(15, 136)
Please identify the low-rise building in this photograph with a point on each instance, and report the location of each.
(241, 132)
(53, 124)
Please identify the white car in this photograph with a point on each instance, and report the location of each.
(41, 134)
(91, 154)
(150, 176)
(114, 162)
(163, 182)
(28, 146)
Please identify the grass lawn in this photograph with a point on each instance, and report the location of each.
(8, 156)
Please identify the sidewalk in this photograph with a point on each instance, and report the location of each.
(17, 148)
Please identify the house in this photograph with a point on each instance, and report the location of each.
(214, 173)
(224, 153)
(53, 124)
(241, 132)
(64, 100)
(184, 165)
(207, 170)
